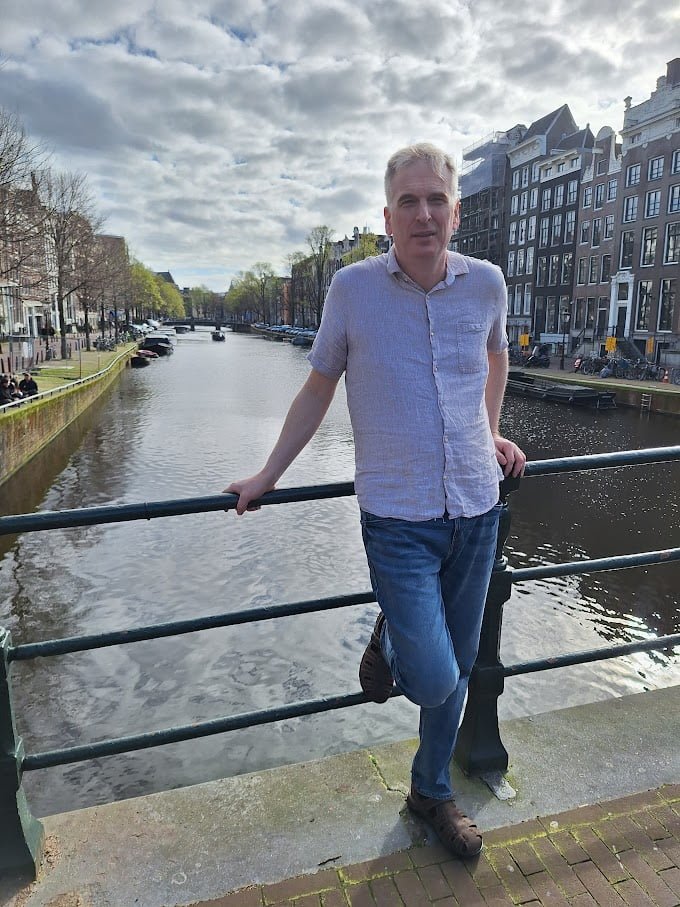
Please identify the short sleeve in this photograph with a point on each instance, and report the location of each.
(498, 338)
(329, 351)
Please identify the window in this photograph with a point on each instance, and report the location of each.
(652, 203)
(554, 270)
(585, 231)
(575, 163)
(581, 273)
(556, 229)
(533, 198)
(627, 243)
(597, 231)
(671, 252)
(522, 232)
(612, 186)
(580, 314)
(560, 167)
(666, 303)
(587, 196)
(594, 269)
(572, 192)
(545, 200)
(601, 167)
(559, 196)
(630, 207)
(514, 204)
(633, 175)
(527, 299)
(599, 194)
(606, 272)
(644, 304)
(523, 202)
(569, 226)
(634, 139)
(545, 229)
(515, 179)
(525, 176)
(541, 271)
(648, 251)
(520, 262)
(567, 268)
(608, 226)
(511, 264)
(531, 229)
(675, 162)
(655, 168)
(530, 260)
(674, 199)
(512, 239)
(535, 172)
(551, 315)
(547, 172)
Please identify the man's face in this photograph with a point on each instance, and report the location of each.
(421, 215)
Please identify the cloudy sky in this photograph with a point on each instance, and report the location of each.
(218, 134)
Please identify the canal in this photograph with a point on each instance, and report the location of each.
(190, 424)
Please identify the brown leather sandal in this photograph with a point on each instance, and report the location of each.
(455, 830)
(375, 676)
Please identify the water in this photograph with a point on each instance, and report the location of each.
(190, 424)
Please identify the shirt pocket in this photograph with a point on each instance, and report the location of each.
(472, 354)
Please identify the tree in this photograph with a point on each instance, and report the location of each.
(70, 219)
(146, 296)
(263, 273)
(319, 241)
(172, 304)
(20, 210)
(243, 297)
(367, 246)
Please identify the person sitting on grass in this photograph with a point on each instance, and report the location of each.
(27, 385)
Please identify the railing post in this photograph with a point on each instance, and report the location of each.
(21, 836)
(479, 748)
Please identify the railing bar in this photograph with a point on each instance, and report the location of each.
(576, 658)
(602, 461)
(119, 513)
(157, 631)
(130, 744)
(88, 516)
(620, 562)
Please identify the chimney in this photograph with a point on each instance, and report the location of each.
(673, 72)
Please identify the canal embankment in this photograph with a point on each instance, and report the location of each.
(647, 396)
(67, 388)
(320, 819)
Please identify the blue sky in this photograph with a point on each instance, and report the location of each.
(218, 134)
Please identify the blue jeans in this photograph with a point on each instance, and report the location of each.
(430, 579)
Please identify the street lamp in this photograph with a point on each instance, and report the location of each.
(565, 317)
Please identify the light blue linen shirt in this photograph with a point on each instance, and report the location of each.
(415, 367)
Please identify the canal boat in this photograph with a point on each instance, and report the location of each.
(158, 343)
(217, 335)
(523, 385)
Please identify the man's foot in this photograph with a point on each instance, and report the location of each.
(456, 832)
(375, 676)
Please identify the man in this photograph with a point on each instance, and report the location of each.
(27, 385)
(420, 335)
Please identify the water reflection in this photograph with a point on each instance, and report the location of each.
(207, 415)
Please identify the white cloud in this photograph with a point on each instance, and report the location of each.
(216, 134)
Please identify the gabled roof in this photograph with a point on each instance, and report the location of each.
(583, 139)
(550, 121)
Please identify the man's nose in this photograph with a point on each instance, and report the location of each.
(424, 211)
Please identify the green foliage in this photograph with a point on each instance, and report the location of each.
(367, 246)
(146, 294)
(172, 304)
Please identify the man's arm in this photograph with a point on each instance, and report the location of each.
(508, 454)
(304, 417)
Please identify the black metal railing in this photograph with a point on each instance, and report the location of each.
(480, 748)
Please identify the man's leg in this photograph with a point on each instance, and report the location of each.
(405, 559)
(464, 578)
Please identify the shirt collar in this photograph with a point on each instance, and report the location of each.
(455, 265)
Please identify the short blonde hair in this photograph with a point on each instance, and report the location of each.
(441, 163)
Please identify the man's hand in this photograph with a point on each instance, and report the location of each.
(250, 490)
(511, 459)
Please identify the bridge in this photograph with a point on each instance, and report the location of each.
(481, 754)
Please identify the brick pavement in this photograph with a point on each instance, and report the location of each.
(612, 854)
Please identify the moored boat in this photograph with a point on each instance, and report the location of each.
(524, 385)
